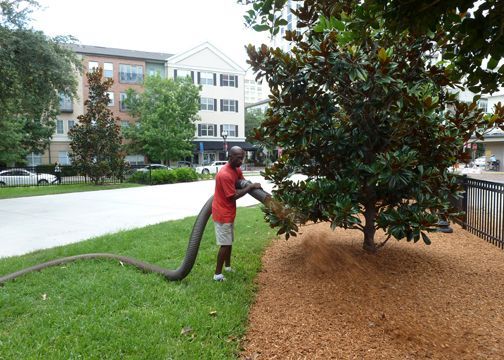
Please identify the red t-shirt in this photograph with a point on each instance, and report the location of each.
(223, 205)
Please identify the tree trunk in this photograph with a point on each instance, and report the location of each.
(369, 229)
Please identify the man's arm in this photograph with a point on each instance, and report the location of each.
(240, 192)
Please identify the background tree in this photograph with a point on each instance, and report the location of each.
(35, 70)
(95, 140)
(253, 119)
(166, 112)
(365, 113)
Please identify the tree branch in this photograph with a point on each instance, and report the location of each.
(426, 6)
(383, 242)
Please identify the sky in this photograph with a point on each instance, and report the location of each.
(169, 26)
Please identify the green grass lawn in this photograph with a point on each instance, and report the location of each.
(15, 192)
(99, 309)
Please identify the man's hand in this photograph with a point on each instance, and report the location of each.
(255, 186)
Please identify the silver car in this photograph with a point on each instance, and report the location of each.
(17, 177)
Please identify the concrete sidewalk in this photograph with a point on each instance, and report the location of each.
(33, 223)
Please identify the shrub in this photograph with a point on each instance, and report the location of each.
(185, 174)
(206, 176)
(157, 177)
(139, 177)
(163, 177)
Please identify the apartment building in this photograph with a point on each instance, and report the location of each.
(222, 108)
(493, 141)
(255, 91)
(287, 14)
(221, 103)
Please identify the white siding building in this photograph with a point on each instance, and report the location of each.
(222, 99)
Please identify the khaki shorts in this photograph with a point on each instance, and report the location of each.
(224, 233)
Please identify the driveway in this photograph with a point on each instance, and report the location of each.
(33, 223)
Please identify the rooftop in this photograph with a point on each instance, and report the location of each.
(100, 50)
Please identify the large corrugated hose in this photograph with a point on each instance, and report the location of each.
(178, 274)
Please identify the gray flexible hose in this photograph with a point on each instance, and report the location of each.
(178, 274)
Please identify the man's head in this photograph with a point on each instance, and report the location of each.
(236, 155)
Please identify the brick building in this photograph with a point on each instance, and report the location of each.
(221, 102)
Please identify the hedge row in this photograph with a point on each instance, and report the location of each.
(157, 177)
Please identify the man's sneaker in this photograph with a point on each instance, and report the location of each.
(219, 277)
(229, 269)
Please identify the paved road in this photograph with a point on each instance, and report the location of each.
(33, 223)
(494, 176)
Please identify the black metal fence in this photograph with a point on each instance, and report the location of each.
(43, 175)
(483, 204)
(46, 175)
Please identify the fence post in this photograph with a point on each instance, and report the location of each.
(464, 202)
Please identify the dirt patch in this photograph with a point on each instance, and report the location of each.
(321, 297)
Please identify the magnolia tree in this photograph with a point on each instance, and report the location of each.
(365, 113)
(96, 140)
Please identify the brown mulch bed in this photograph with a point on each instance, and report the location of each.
(322, 297)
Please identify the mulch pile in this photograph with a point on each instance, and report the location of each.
(322, 297)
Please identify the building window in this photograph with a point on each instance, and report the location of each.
(122, 104)
(205, 78)
(483, 105)
(66, 104)
(208, 104)
(232, 130)
(229, 80)
(34, 159)
(111, 98)
(207, 130)
(208, 158)
(180, 74)
(63, 158)
(125, 124)
(108, 70)
(59, 126)
(92, 66)
(229, 105)
(289, 22)
(130, 74)
(71, 124)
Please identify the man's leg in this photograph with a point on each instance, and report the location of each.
(223, 254)
(227, 260)
(224, 237)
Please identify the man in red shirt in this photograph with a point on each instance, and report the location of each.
(224, 207)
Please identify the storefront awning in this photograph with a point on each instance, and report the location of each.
(219, 145)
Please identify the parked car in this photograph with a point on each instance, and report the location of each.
(16, 177)
(480, 162)
(212, 168)
(154, 167)
(184, 164)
